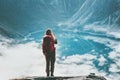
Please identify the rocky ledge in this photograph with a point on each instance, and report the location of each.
(91, 76)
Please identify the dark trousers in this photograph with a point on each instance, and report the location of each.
(50, 61)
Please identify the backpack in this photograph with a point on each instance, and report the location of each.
(48, 44)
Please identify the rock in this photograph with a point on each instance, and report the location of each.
(91, 76)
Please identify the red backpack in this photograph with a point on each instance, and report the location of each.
(48, 44)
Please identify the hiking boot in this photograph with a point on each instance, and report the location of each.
(47, 75)
(52, 75)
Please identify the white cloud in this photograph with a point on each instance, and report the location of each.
(78, 59)
(114, 68)
(113, 77)
(113, 44)
(21, 60)
(27, 59)
(76, 65)
(102, 60)
(116, 34)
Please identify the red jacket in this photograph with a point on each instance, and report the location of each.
(48, 44)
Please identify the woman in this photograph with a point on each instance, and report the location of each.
(49, 51)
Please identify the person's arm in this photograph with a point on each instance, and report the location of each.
(54, 38)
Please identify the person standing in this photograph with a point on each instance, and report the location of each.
(48, 48)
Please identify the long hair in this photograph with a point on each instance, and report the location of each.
(49, 32)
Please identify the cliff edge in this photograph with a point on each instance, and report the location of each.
(91, 76)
